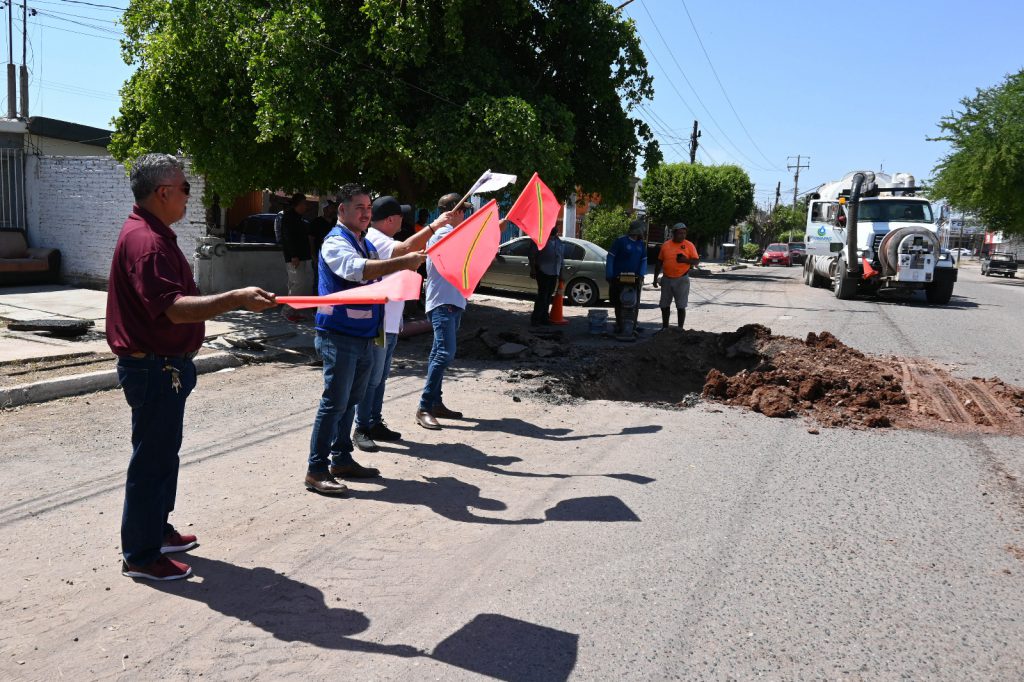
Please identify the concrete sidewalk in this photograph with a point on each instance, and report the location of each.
(231, 339)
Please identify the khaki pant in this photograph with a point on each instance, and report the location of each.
(300, 279)
(677, 288)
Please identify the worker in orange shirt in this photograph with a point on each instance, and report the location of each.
(677, 256)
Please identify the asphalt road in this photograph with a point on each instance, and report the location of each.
(539, 542)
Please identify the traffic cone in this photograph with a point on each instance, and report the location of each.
(556, 305)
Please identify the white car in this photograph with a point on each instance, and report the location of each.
(960, 252)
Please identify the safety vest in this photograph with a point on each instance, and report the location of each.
(352, 320)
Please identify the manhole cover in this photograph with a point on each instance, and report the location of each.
(56, 327)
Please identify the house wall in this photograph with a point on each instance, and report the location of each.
(78, 204)
(51, 146)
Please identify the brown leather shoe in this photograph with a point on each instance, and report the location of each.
(443, 412)
(426, 420)
(324, 484)
(353, 470)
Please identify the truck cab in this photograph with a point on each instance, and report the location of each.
(898, 246)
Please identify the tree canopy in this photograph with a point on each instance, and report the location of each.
(604, 224)
(984, 172)
(415, 97)
(709, 199)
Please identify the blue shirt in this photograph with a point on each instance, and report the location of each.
(549, 259)
(626, 255)
(439, 290)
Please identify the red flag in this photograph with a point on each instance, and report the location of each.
(464, 254)
(535, 211)
(403, 285)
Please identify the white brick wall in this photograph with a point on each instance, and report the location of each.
(78, 203)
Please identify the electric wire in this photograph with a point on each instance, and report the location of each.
(682, 72)
(722, 87)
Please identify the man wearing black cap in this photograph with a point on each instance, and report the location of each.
(295, 244)
(386, 219)
(444, 305)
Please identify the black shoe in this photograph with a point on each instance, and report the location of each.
(361, 439)
(381, 432)
(439, 410)
(353, 470)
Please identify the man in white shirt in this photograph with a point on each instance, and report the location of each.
(385, 222)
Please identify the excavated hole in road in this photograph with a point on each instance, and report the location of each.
(780, 376)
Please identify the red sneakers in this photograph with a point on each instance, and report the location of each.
(176, 542)
(161, 569)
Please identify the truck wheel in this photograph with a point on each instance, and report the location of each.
(941, 289)
(843, 286)
(808, 272)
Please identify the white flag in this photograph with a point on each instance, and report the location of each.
(491, 182)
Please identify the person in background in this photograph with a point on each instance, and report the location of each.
(318, 229)
(422, 216)
(546, 268)
(677, 256)
(627, 255)
(296, 248)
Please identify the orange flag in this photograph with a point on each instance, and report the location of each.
(464, 254)
(403, 285)
(535, 211)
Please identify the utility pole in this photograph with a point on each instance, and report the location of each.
(693, 144)
(12, 87)
(796, 177)
(778, 193)
(24, 55)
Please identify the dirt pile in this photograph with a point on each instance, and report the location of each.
(818, 377)
(835, 384)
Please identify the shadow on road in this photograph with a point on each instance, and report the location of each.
(603, 508)
(445, 496)
(291, 611)
(518, 427)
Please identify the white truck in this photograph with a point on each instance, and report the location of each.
(870, 233)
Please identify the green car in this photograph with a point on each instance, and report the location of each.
(583, 270)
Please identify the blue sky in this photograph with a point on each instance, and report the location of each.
(851, 85)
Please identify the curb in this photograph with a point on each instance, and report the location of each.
(63, 387)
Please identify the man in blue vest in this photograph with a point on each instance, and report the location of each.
(627, 255)
(345, 338)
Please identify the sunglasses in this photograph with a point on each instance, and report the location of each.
(184, 187)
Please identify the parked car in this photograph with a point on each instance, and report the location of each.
(258, 228)
(583, 270)
(776, 254)
(797, 252)
(1004, 264)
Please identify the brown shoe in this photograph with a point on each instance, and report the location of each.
(324, 484)
(443, 412)
(353, 470)
(426, 420)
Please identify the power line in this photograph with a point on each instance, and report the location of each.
(93, 4)
(94, 27)
(672, 55)
(81, 33)
(726, 94)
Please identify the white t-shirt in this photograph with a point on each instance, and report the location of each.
(385, 245)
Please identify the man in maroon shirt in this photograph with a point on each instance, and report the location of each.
(155, 318)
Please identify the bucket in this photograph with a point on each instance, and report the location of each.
(598, 320)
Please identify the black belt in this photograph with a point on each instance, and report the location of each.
(154, 356)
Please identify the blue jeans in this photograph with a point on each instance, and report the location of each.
(370, 409)
(158, 414)
(445, 320)
(347, 361)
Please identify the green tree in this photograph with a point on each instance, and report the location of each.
(984, 172)
(412, 97)
(709, 199)
(604, 224)
(788, 223)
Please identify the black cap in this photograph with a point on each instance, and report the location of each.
(384, 207)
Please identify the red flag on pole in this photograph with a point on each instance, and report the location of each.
(403, 285)
(535, 211)
(464, 254)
